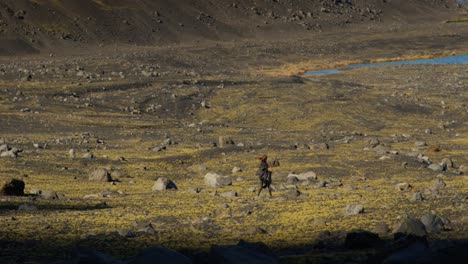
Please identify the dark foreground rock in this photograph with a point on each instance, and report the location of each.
(243, 253)
(13, 187)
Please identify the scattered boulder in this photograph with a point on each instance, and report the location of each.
(371, 143)
(72, 153)
(463, 169)
(215, 180)
(446, 163)
(360, 239)
(292, 179)
(160, 255)
(229, 194)
(353, 209)
(381, 228)
(236, 170)
(322, 184)
(9, 154)
(382, 149)
(293, 193)
(417, 196)
(436, 167)
(46, 194)
(404, 187)
(438, 184)
(163, 184)
(88, 155)
(410, 227)
(100, 175)
(433, 223)
(242, 253)
(420, 144)
(13, 187)
(4, 147)
(194, 190)
(306, 176)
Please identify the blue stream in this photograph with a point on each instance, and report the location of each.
(456, 59)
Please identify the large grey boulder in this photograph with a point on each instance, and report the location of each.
(243, 253)
(433, 223)
(163, 184)
(216, 180)
(160, 255)
(410, 227)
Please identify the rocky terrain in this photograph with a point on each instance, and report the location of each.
(118, 153)
(28, 26)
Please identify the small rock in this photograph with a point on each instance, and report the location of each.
(404, 187)
(100, 175)
(216, 180)
(447, 163)
(72, 153)
(371, 143)
(47, 194)
(417, 196)
(420, 144)
(438, 184)
(236, 170)
(194, 190)
(322, 184)
(353, 209)
(293, 193)
(163, 184)
(436, 167)
(229, 194)
(463, 169)
(88, 155)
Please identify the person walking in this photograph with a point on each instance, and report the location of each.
(264, 175)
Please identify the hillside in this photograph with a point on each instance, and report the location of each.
(29, 26)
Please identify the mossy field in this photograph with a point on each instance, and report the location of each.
(104, 104)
